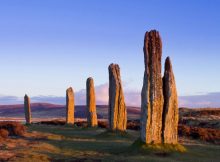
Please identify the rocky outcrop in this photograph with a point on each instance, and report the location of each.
(27, 109)
(170, 111)
(117, 108)
(152, 91)
(159, 104)
(70, 106)
(91, 103)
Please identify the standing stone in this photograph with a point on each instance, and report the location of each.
(117, 108)
(152, 90)
(91, 103)
(27, 109)
(70, 106)
(170, 110)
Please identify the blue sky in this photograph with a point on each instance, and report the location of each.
(49, 45)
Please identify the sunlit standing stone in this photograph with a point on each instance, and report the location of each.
(91, 103)
(117, 108)
(170, 111)
(152, 91)
(70, 106)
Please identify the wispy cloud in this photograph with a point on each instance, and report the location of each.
(49, 99)
(10, 99)
(204, 100)
(132, 98)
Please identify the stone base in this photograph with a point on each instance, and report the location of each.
(158, 148)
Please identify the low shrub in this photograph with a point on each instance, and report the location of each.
(53, 122)
(4, 133)
(103, 124)
(133, 124)
(13, 128)
(205, 134)
(83, 124)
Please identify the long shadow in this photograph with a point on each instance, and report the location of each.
(95, 144)
(87, 139)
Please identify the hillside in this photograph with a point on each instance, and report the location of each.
(47, 110)
(76, 144)
(52, 140)
(199, 117)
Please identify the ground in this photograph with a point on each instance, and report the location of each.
(67, 143)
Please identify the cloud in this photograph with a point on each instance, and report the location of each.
(102, 94)
(49, 99)
(205, 100)
(4, 100)
(132, 98)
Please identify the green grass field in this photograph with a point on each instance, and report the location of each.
(66, 143)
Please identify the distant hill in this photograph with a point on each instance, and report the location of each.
(201, 117)
(47, 110)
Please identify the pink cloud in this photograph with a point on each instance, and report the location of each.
(198, 101)
(102, 94)
(132, 98)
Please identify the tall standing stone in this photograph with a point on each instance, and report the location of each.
(152, 90)
(170, 111)
(70, 106)
(91, 103)
(117, 108)
(27, 109)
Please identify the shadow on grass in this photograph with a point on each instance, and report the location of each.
(75, 159)
(67, 131)
(85, 139)
(97, 144)
(115, 135)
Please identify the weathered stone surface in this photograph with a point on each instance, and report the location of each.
(91, 103)
(117, 108)
(70, 107)
(152, 90)
(27, 109)
(170, 110)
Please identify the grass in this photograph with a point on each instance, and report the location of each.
(69, 143)
(163, 149)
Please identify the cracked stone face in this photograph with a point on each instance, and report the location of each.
(117, 108)
(152, 90)
(159, 104)
(70, 106)
(170, 111)
(91, 103)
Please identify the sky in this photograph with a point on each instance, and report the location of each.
(48, 45)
